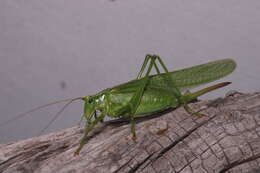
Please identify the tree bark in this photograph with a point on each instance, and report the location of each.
(226, 140)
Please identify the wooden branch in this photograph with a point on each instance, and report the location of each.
(227, 140)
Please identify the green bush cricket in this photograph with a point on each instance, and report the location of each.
(148, 94)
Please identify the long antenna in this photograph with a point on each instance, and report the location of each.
(37, 108)
(56, 116)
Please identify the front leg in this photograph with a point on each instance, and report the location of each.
(88, 128)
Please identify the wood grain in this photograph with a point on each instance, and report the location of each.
(227, 140)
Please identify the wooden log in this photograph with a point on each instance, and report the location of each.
(227, 140)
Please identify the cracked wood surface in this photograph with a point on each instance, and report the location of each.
(227, 140)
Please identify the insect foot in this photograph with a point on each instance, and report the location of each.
(76, 153)
(200, 115)
(134, 137)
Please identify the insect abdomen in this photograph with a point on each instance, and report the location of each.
(152, 101)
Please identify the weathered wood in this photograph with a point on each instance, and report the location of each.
(227, 140)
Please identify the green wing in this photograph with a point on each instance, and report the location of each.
(201, 74)
(185, 78)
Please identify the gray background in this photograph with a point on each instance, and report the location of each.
(56, 49)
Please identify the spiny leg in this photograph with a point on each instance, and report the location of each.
(134, 102)
(161, 63)
(147, 57)
(152, 58)
(168, 80)
(136, 99)
(138, 95)
(189, 110)
(174, 90)
(191, 96)
(88, 128)
(171, 84)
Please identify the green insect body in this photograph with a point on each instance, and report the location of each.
(149, 94)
